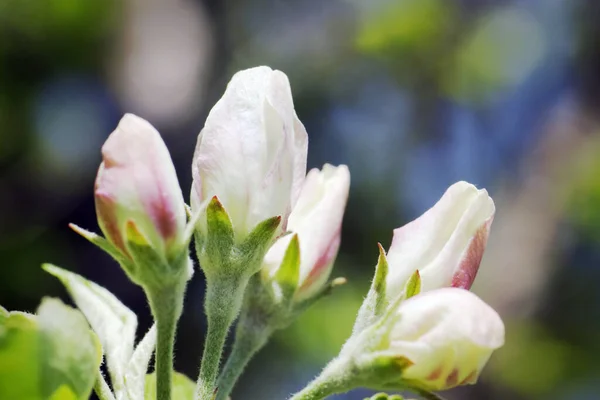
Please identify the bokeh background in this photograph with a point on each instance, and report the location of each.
(413, 95)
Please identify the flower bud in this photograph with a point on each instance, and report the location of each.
(445, 244)
(137, 189)
(316, 220)
(447, 334)
(251, 153)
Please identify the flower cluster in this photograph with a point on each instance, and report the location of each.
(267, 235)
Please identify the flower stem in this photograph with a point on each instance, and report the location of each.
(166, 304)
(249, 339)
(222, 304)
(334, 379)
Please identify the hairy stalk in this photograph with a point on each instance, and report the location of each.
(166, 305)
(334, 379)
(222, 304)
(249, 339)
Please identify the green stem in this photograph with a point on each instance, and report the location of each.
(222, 304)
(166, 304)
(335, 378)
(249, 339)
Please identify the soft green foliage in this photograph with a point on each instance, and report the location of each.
(115, 325)
(52, 355)
(183, 387)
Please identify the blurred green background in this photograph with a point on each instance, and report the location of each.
(412, 95)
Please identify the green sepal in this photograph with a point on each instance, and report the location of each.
(288, 274)
(219, 240)
(183, 387)
(382, 370)
(385, 396)
(153, 270)
(413, 285)
(253, 249)
(108, 248)
(376, 302)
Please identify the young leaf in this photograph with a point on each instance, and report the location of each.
(137, 367)
(70, 352)
(113, 322)
(183, 387)
(19, 360)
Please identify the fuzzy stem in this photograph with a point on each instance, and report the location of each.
(166, 304)
(335, 378)
(249, 339)
(222, 304)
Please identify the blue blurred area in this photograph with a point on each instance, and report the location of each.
(412, 95)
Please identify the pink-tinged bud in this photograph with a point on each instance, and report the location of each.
(317, 220)
(445, 244)
(251, 153)
(137, 186)
(448, 335)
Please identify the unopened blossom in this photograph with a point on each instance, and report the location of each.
(317, 220)
(251, 153)
(137, 188)
(448, 335)
(445, 244)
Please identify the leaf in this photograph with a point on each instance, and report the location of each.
(70, 353)
(135, 375)
(113, 322)
(183, 387)
(288, 273)
(413, 285)
(50, 356)
(19, 363)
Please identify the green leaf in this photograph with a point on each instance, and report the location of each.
(183, 387)
(20, 366)
(413, 285)
(288, 273)
(70, 353)
(135, 374)
(113, 322)
(103, 244)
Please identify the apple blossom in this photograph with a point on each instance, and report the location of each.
(251, 153)
(316, 219)
(137, 189)
(447, 334)
(445, 244)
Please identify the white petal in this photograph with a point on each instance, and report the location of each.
(437, 242)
